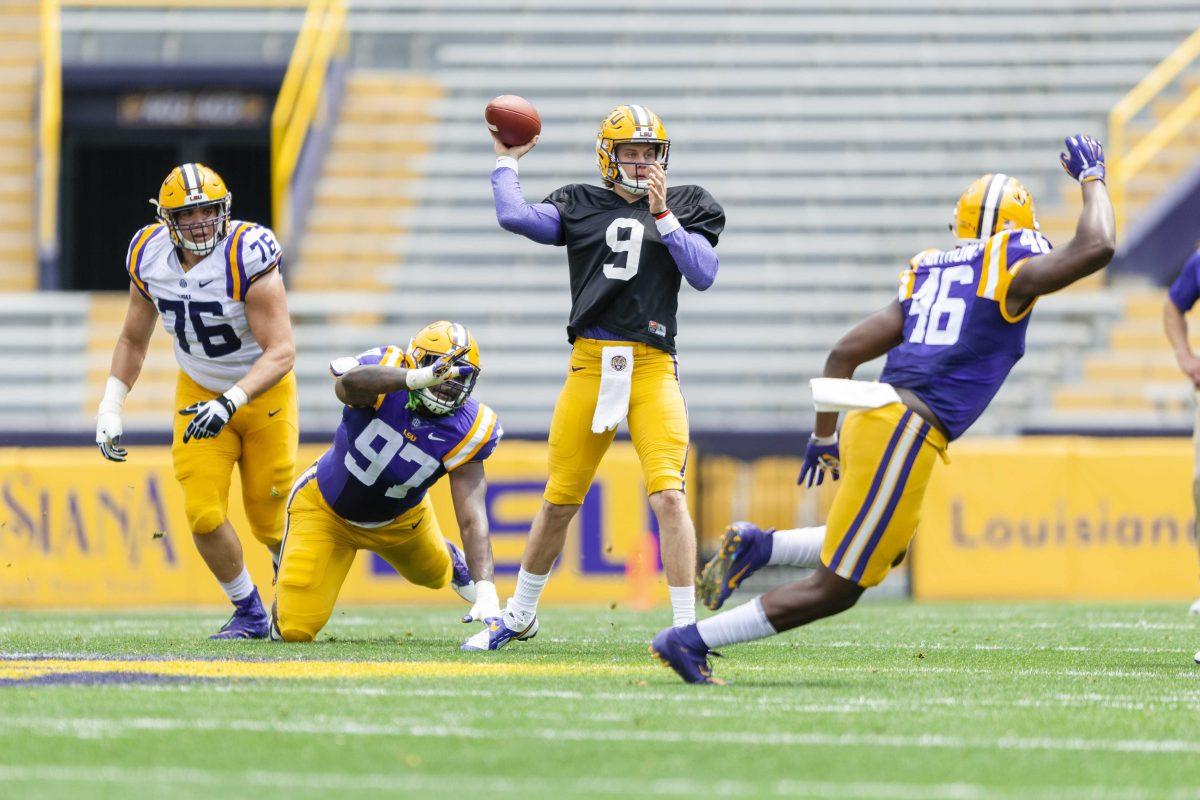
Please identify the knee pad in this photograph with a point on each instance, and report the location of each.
(205, 497)
(205, 511)
(296, 634)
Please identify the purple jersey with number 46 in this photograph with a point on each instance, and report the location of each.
(960, 342)
(384, 459)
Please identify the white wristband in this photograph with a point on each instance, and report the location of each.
(507, 162)
(115, 392)
(824, 441)
(668, 224)
(421, 378)
(237, 395)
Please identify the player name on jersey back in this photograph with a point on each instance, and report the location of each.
(960, 338)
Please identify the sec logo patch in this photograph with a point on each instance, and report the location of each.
(619, 363)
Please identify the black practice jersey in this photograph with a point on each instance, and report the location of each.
(622, 275)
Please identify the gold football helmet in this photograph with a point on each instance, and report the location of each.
(629, 123)
(431, 343)
(994, 202)
(194, 186)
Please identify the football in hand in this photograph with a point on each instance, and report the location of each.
(513, 119)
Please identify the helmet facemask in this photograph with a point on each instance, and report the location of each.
(205, 234)
(622, 175)
(449, 396)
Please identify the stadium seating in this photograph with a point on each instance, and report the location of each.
(836, 139)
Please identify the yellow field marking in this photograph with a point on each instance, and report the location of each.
(24, 669)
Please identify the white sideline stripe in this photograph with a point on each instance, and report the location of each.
(391, 782)
(848, 705)
(96, 727)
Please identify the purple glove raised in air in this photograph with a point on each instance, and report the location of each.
(1084, 159)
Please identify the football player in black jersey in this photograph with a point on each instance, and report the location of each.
(629, 245)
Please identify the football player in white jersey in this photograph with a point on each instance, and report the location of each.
(215, 282)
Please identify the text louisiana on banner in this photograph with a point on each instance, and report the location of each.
(1063, 517)
(76, 531)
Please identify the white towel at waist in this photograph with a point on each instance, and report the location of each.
(842, 394)
(616, 381)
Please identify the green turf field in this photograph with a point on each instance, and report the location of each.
(892, 700)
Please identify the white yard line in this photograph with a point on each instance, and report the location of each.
(96, 727)
(392, 783)
(710, 704)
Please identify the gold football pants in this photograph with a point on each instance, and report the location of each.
(657, 422)
(887, 457)
(320, 546)
(261, 439)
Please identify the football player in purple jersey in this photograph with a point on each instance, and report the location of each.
(409, 419)
(951, 336)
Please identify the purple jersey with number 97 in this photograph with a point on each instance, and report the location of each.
(384, 459)
(960, 342)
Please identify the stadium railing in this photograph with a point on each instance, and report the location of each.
(1126, 161)
(299, 98)
(49, 134)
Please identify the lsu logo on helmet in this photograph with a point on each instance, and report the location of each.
(431, 343)
(629, 123)
(189, 186)
(994, 202)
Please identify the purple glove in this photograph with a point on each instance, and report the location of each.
(1084, 159)
(820, 456)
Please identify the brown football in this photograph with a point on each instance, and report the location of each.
(513, 119)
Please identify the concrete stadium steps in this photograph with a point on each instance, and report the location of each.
(1174, 397)
(19, 52)
(351, 206)
(1135, 382)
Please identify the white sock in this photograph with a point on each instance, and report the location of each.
(529, 589)
(745, 623)
(240, 587)
(797, 548)
(683, 605)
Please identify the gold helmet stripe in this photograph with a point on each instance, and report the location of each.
(991, 205)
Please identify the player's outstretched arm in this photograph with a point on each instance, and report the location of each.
(866, 341)
(360, 385)
(1095, 238)
(127, 359)
(468, 488)
(537, 221)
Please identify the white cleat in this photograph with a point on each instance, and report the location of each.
(1195, 609)
(496, 633)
